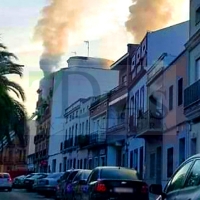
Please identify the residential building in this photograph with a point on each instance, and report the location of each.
(175, 128)
(97, 148)
(117, 113)
(191, 93)
(147, 58)
(43, 124)
(31, 145)
(84, 77)
(77, 127)
(13, 154)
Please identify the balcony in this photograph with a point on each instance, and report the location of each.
(132, 124)
(149, 125)
(82, 140)
(68, 143)
(119, 127)
(192, 101)
(97, 138)
(119, 92)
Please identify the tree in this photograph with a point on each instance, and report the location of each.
(13, 116)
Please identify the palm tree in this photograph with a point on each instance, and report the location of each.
(13, 115)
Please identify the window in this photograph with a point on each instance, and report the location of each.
(171, 97)
(178, 179)
(180, 91)
(74, 163)
(135, 162)
(124, 79)
(193, 146)
(119, 174)
(131, 159)
(86, 127)
(94, 176)
(152, 165)
(136, 103)
(60, 167)
(198, 15)
(194, 176)
(103, 161)
(181, 150)
(170, 161)
(70, 132)
(142, 98)
(197, 65)
(82, 127)
(81, 164)
(54, 165)
(90, 164)
(85, 163)
(76, 129)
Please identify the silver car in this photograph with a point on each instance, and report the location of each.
(5, 181)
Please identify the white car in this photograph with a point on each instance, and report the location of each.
(5, 181)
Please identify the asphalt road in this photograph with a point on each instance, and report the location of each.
(21, 195)
(24, 195)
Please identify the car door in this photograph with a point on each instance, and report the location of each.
(75, 186)
(90, 184)
(177, 181)
(191, 188)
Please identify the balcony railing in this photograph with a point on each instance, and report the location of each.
(68, 143)
(149, 123)
(118, 127)
(192, 94)
(96, 138)
(132, 123)
(118, 88)
(82, 140)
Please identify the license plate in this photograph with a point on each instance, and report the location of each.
(124, 190)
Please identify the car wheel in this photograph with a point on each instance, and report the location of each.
(9, 189)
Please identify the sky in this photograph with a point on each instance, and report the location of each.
(18, 19)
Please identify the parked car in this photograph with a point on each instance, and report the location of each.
(79, 185)
(117, 183)
(64, 185)
(5, 181)
(68, 184)
(29, 182)
(18, 182)
(47, 186)
(60, 187)
(184, 183)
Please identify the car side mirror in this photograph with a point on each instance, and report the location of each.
(156, 189)
(82, 182)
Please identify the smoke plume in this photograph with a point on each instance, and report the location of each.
(64, 22)
(150, 15)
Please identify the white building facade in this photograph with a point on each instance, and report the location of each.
(84, 77)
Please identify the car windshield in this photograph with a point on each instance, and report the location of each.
(119, 174)
(37, 175)
(30, 175)
(86, 174)
(4, 176)
(55, 175)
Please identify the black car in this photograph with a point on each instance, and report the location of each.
(184, 183)
(64, 184)
(116, 183)
(79, 184)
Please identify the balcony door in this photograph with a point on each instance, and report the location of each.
(119, 157)
(158, 165)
